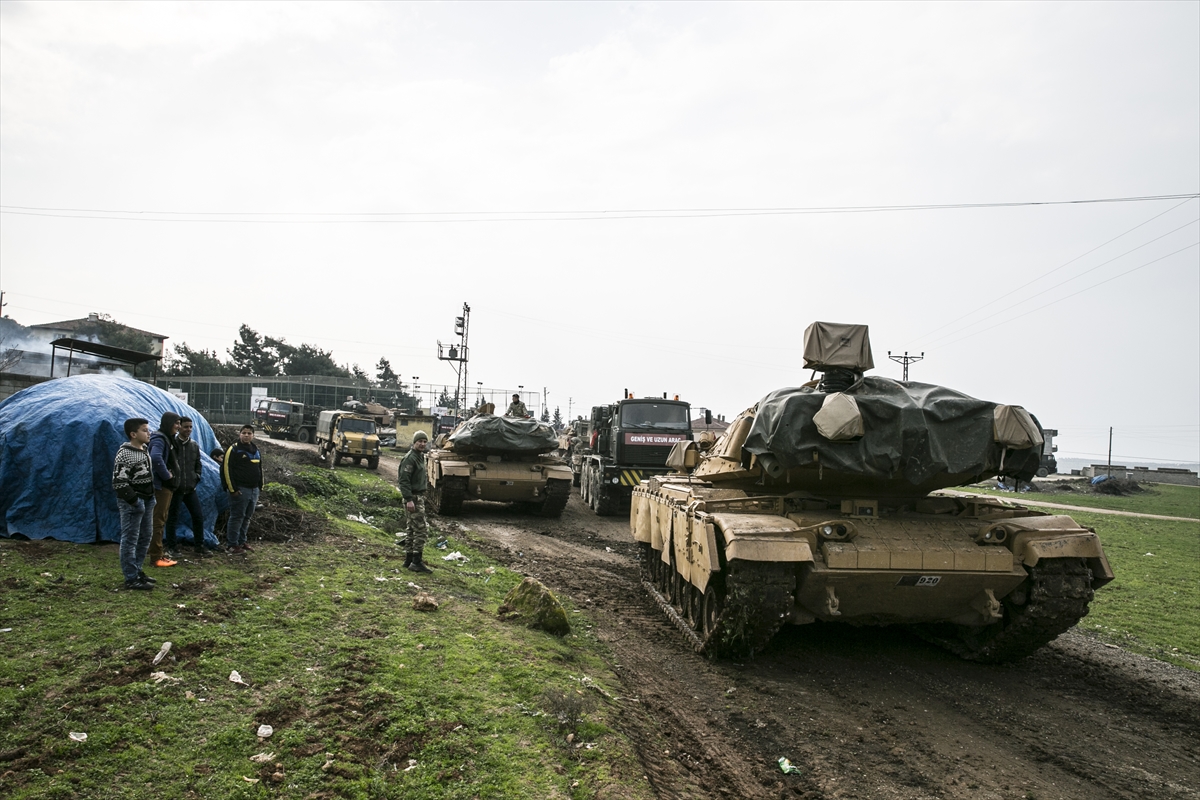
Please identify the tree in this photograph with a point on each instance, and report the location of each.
(545, 414)
(358, 373)
(252, 355)
(558, 422)
(384, 373)
(310, 360)
(191, 362)
(445, 400)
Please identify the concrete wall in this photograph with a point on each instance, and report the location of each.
(10, 383)
(1180, 477)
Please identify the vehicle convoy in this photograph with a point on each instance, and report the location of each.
(287, 419)
(629, 442)
(343, 434)
(499, 458)
(821, 503)
(577, 441)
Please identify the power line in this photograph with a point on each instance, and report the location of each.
(1045, 274)
(1081, 291)
(405, 217)
(1063, 283)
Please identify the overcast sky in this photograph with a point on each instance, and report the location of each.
(348, 175)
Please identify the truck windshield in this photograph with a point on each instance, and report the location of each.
(357, 426)
(282, 408)
(654, 415)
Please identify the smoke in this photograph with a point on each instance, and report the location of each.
(25, 351)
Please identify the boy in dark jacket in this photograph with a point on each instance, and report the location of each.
(135, 502)
(187, 453)
(242, 477)
(165, 468)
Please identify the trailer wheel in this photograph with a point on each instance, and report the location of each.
(304, 436)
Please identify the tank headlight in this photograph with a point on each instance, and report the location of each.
(616, 480)
(827, 530)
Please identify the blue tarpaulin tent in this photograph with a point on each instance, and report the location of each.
(57, 444)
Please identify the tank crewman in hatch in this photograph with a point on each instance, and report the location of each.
(516, 408)
(412, 480)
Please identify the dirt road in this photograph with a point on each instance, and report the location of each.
(864, 713)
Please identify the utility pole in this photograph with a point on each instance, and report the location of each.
(1110, 452)
(906, 359)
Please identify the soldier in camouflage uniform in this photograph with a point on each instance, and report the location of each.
(413, 480)
(516, 408)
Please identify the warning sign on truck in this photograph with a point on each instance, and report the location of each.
(654, 438)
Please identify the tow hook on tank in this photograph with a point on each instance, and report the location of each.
(831, 602)
(988, 606)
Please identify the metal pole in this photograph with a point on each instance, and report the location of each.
(1110, 452)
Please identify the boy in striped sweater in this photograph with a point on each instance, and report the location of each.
(133, 482)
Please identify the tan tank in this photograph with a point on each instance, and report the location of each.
(822, 503)
(501, 459)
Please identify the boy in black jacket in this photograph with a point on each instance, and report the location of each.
(187, 454)
(241, 474)
(134, 486)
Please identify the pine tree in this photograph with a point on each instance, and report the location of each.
(384, 373)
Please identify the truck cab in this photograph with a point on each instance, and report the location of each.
(630, 442)
(341, 434)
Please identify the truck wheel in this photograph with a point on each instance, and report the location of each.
(373, 462)
(304, 436)
(335, 458)
(575, 479)
(1043, 472)
(608, 500)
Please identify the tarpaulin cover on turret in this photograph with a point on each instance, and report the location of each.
(916, 438)
(487, 432)
(58, 440)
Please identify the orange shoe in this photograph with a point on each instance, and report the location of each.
(165, 562)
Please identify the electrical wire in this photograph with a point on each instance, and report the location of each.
(995, 300)
(295, 217)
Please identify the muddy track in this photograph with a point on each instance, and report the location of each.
(864, 713)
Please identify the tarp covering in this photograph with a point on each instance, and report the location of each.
(836, 344)
(487, 432)
(57, 444)
(916, 438)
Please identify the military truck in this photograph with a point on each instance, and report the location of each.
(499, 458)
(826, 503)
(287, 419)
(629, 441)
(343, 434)
(577, 440)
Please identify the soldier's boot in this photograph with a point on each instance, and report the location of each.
(418, 564)
(408, 559)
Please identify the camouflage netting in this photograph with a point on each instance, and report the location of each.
(489, 433)
(915, 438)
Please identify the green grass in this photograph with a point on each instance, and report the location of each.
(1159, 498)
(357, 685)
(1153, 605)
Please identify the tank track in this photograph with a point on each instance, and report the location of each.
(448, 496)
(756, 600)
(557, 494)
(1058, 590)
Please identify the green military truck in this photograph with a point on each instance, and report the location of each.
(630, 441)
(342, 434)
(287, 419)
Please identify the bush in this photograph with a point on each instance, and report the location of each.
(281, 495)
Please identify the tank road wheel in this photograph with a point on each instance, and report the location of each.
(671, 582)
(373, 462)
(557, 495)
(304, 435)
(608, 500)
(447, 497)
(695, 605)
(1050, 602)
(712, 604)
(646, 555)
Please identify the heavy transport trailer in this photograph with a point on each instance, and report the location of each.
(630, 441)
(989, 580)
